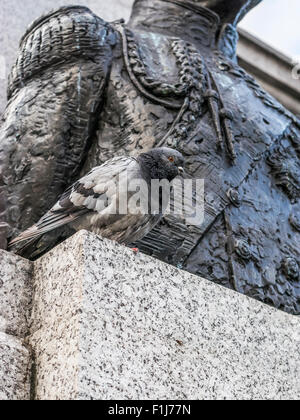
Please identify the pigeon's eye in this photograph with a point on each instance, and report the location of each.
(171, 159)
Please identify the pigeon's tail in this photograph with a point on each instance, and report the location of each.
(49, 222)
(21, 247)
(28, 236)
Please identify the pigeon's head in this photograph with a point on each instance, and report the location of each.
(162, 163)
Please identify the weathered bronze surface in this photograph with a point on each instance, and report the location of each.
(84, 90)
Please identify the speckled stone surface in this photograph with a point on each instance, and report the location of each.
(15, 294)
(15, 366)
(110, 324)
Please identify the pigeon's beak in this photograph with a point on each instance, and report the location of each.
(181, 170)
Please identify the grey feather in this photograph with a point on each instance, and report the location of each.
(90, 203)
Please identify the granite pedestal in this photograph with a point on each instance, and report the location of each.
(15, 310)
(94, 320)
(111, 324)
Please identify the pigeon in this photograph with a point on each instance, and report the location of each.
(93, 202)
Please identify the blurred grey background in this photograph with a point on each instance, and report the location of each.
(277, 23)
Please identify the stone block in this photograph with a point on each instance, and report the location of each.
(15, 294)
(15, 368)
(112, 324)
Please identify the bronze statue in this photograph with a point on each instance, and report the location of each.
(84, 90)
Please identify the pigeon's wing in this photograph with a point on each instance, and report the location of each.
(89, 194)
